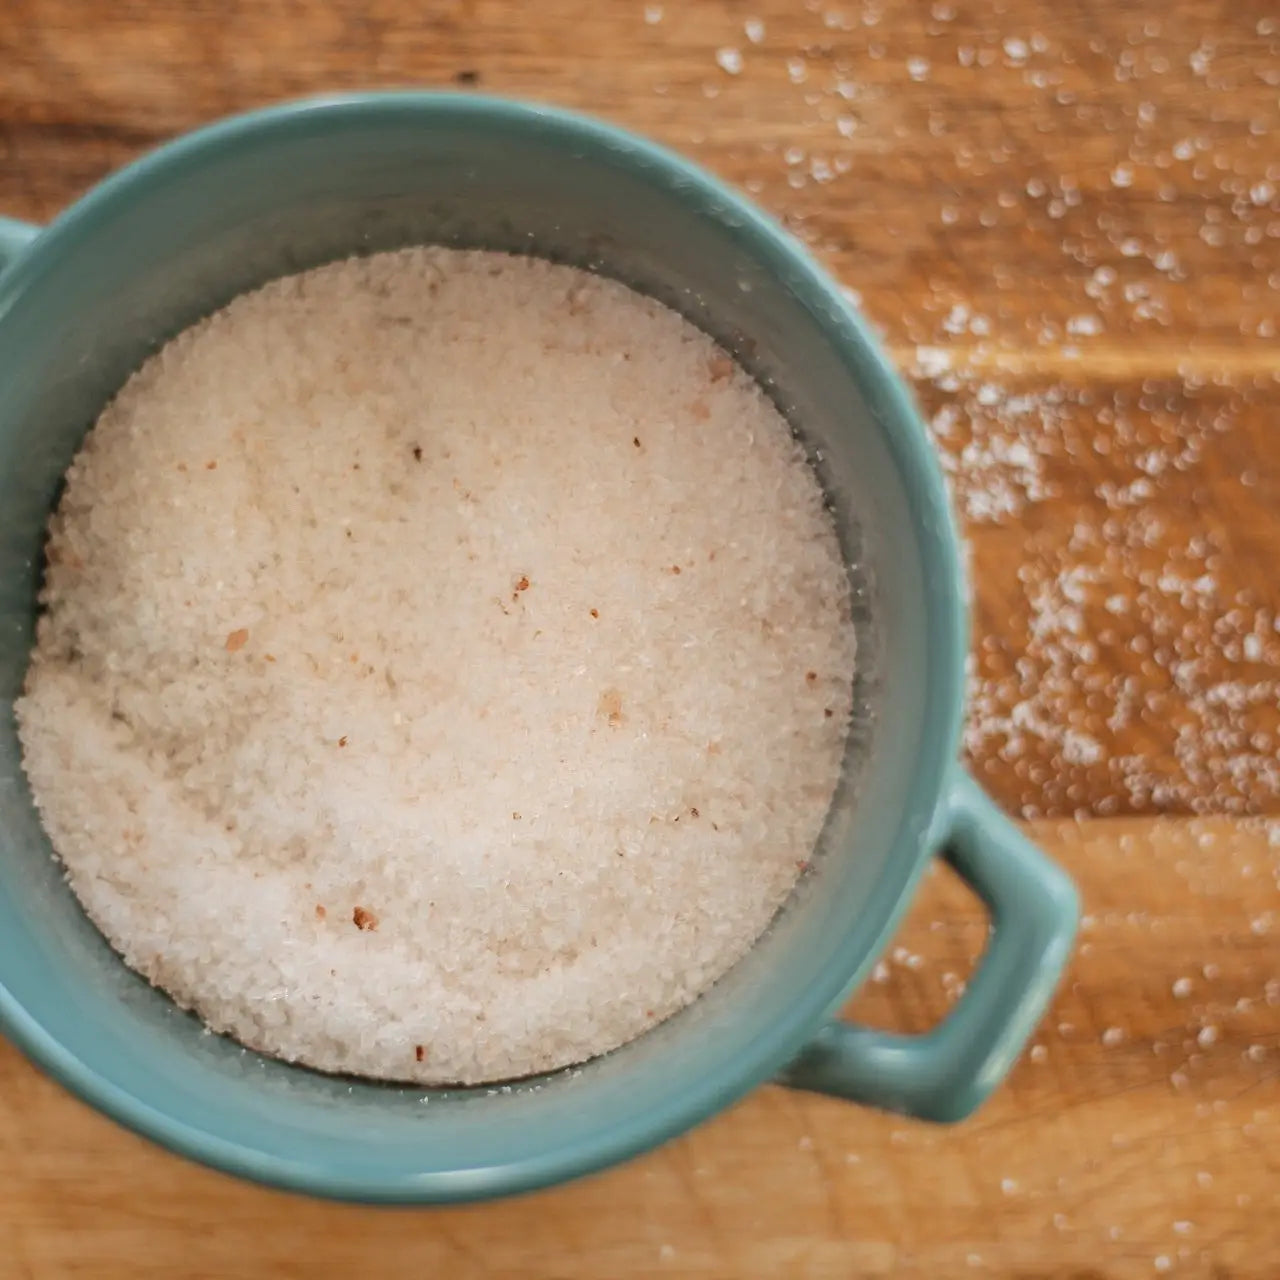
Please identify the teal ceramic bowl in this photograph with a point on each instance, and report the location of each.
(180, 232)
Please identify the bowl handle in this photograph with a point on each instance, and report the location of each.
(14, 238)
(947, 1073)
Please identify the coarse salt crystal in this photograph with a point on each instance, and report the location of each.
(729, 60)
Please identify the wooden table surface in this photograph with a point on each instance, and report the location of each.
(1064, 218)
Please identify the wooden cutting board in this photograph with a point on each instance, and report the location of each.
(1065, 220)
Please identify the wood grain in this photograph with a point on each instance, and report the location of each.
(1064, 219)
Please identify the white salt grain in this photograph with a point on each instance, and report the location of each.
(729, 60)
(446, 666)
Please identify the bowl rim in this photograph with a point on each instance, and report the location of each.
(888, 398)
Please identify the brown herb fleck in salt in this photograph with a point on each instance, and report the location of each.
(610, 707)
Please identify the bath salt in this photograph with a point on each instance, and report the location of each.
(445, 666)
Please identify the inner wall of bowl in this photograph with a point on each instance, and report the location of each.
(172, 242)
